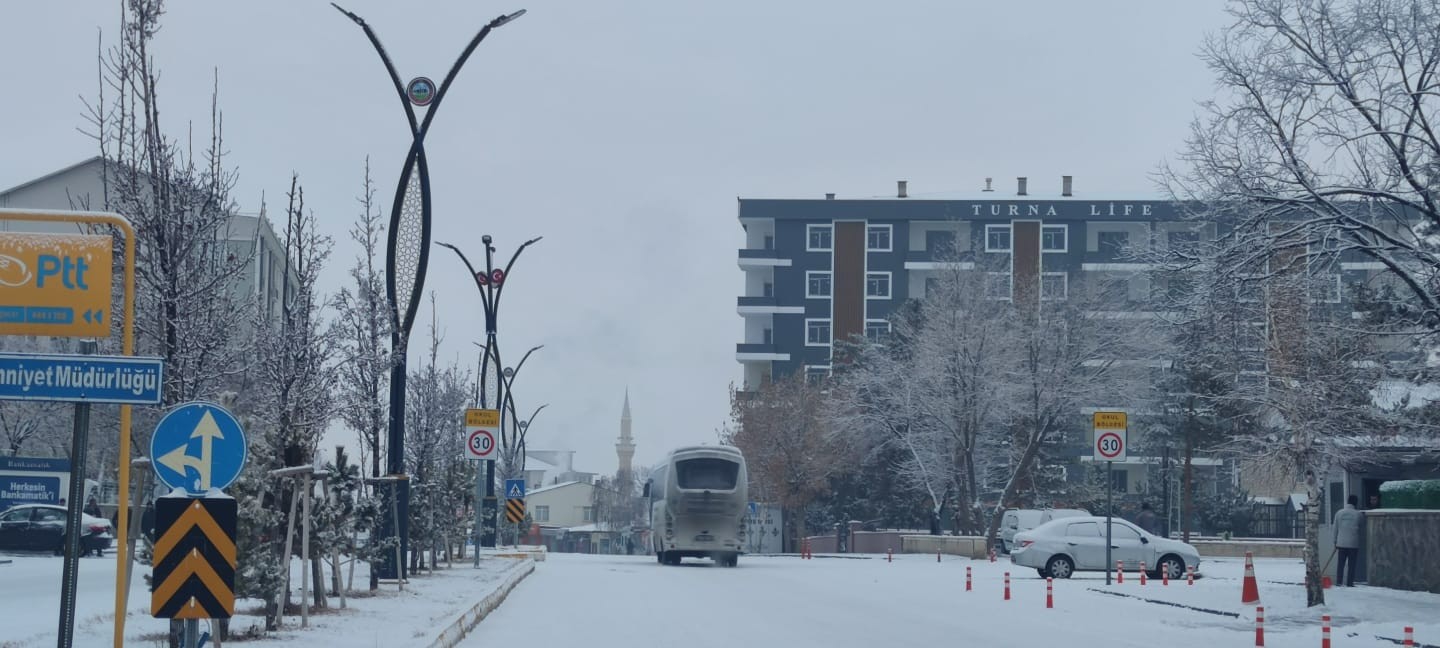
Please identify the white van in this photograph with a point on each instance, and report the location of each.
(1017, 520)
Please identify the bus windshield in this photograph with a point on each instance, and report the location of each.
(714, 474)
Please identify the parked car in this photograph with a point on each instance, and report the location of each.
(1059, 548)
(42, 527)
(1017, 520)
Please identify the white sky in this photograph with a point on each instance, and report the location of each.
(623, 133)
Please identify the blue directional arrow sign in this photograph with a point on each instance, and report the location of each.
(514, 489)
(198, 446)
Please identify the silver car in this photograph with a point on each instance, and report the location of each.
(1059, 548)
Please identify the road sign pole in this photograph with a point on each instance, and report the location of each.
(73, 518)
(479, 512)
(1109, 528)
(191, 638)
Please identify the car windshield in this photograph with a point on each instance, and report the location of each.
(714, 474)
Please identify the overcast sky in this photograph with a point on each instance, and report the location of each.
(623, 132)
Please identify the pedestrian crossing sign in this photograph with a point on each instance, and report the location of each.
(514, 489)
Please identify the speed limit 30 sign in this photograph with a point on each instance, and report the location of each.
(1111, 436)
(481, 429)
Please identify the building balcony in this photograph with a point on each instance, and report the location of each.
(761, 258)
(765, 306)
(759, 353)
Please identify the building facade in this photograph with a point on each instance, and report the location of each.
(823, 270)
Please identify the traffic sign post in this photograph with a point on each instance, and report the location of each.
(514, 501)
(1111, 445)
(194, 558)
(198, 446)
(482, 427)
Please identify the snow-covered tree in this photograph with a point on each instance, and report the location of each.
(362, 324)
(433, 454)
(1323, 138)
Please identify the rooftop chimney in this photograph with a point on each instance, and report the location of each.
(829, 196)
(1066, 182)
(901, 185)
(1021, 191)
(987, 185)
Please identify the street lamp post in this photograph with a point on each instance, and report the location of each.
(406, 258)
(491, 283)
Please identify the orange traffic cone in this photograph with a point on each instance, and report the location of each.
(1250, 592)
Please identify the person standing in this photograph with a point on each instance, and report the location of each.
(1147, 520)
(1347, 524)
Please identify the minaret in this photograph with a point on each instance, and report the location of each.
(625, 449)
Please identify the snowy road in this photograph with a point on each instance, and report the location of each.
(615, 601)
(30, 597)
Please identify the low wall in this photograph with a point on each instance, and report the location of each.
(871, 542)
(1257, 548)
(1402, 550)
(968, 546)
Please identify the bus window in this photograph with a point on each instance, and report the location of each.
(713, 474)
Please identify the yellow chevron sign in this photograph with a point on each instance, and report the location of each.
(514, 510)
(194, 558)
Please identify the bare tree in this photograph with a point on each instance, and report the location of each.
(362, 330)
(1324, 139)
(781, 429)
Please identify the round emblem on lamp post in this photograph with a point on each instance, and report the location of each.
(420, 90)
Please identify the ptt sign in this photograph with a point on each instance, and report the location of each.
(54, 284)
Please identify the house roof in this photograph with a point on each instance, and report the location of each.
(52, 174)
(554, 487)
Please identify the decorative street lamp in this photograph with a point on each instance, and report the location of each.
(407, 254)
(491, 283)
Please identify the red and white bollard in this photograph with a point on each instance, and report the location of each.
(1325, 631)
(992, 554)
(889, 555)
(1165, 575)
(967, 579)
(1259, 625)
(1142, 573)
(1120, 572)
(1049, 593)
(1007, 586)
(1409, 636)
(1190, 575)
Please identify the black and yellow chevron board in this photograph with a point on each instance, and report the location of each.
(194, 558)
(514, 510)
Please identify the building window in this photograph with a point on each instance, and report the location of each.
(940, 242)
(817, 332)
(1325, 288)
(877, 285)
(542, 513)
(817, 283)
(817, 238)
(768, 335)
(1183, 242)
(1054, 286)
(997, 285)
(1121, 482)
(769, 242)
(1248, 289)
(876, 330)
(1053, 238)
(589, 513)
(816, 375)
(877, 238)
(997, 238)
(767, 290)
(1112, 244)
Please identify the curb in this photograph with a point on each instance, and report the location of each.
(462, 626)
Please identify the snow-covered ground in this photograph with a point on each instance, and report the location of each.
(622, 601)
(30, 595)
(834, 602)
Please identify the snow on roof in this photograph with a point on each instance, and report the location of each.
(1388, 394)
(553, 487)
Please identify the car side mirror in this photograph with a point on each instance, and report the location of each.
(1144, 540)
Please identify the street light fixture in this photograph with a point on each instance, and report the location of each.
(491, 284)
(407, 255)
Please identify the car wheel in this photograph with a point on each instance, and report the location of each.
(1004, 549)
(1042, 572)
(1173, 565)
(1060, 567)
